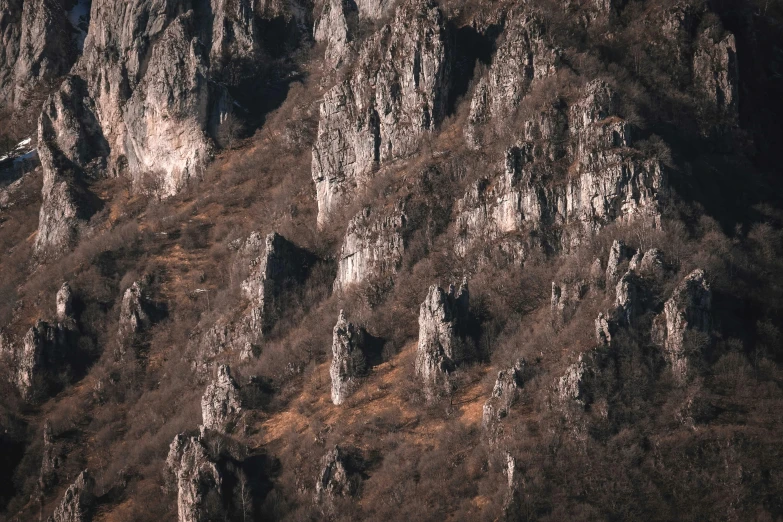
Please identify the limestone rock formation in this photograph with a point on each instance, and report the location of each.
(372, 249)
(687, 311)
(618, 254)
(279, 268)
(336, 478)
(134, 316)
(220, 405)
(570, 384)
(443, 318)
(716, 73)
(78, 502)
(504, 394)
(348, 359)
(374, 9)
(612, 182)
(51, 460)
(565, 296)
(395, 95)
(43, 348)
(197, 478)
(332, 28)
(652, 263)
(65, 304)
(523, 56)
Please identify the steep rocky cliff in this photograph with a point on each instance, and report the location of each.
(220, 404)
(394, 96)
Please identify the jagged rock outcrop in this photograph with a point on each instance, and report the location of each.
(43, 347)
(198, 479)
(570, 384)
(612, 182)
(565, 297)
(40, 42)
(374, 9)
(443, 318)
(337, 477)
(716, 73)
(688, 311)
(65, 304)
(221, 405)
(372, 248)
(78, 502)
(523, 56)
(332, 29)
(618, 254)
(141, 102)
(282, 266)
(134, 316)
(349, 362)
(396, 94)
(504, 395)
(653, 263)
(51, 460)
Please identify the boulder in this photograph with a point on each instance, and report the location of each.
(504, 394)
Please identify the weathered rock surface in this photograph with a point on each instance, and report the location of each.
(716, 74)
(687, 311)
(372, 249)
(336, 478)
(43, 347)
(618, 254)
(565, 297)
(78, 502)
(395, 95)
(613, 182)
(221, 405)
(51, 460)
(523, 56)
(443, 318)
(65, 304)
(40, 41)
(504, 394)
(134, 315)
(281, 266)
(198, 480)
(349, 362)
(332, 28)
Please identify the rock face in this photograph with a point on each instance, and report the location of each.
(565, 297)
(443, 317)
(372, 248)
(134, 318)
(51, 459)
(44, 348)
(41, 40)
(198, 480)
(64, 304)
(336, 478)
(687, 311)
(332, 28)
(618, 254)
(78, 501)
(395, 95)
(282, 266)
(141, 102)
(348, 359)
(504, 394)
(523, 56)
(716, 74)
(220, 405)
(611, 181)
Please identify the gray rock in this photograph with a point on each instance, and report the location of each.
(335, 478)
(504, 394)
(51, 460)
(134, 317)
(652, 263)
(565, 297)
(221, 407)
(282, 266)
(395, 96)
(65, 304)
(78, 502)
(618, 254)
(716, 73)
(688, 310)
(348, 358)
(372, 248)
(44, 346)
(442, 320)
(197, 478)
(332, 28)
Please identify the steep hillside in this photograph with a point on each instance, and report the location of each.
(391, 260)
